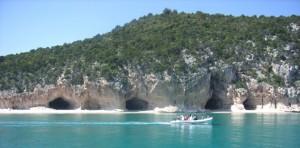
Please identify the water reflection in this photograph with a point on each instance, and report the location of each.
(191, 127)
(193, 133)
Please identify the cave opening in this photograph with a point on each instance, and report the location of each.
(248, 105)
(60, 103)
(136, 104)
(213, 104)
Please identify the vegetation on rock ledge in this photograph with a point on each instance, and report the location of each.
(155, 44)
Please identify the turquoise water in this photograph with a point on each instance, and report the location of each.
(148, 131)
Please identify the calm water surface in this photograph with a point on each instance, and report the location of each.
(148, 131)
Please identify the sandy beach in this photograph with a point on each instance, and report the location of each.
(249, 111)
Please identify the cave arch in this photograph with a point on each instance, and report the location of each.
(249, 105)
(60, 103)
(213, 104)
(136, 104)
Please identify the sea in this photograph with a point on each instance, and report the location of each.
(136, 130)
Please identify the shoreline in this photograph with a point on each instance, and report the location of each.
(251, 111)
(119, 111)
(74, 112)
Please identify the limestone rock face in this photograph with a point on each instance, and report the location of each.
(211, 88)
(146, 92)
(75, 97)
(238, 95)
(197, 96)
(286, 71)
(267, 97)
(261, 95)
(222, 80)
(160, 93)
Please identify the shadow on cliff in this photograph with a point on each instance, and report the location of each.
(136, 104)
(61, 103)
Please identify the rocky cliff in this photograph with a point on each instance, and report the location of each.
(191, 61)
(207, 89)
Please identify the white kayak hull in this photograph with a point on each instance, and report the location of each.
(199, 121)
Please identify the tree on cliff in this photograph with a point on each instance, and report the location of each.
(155, 44)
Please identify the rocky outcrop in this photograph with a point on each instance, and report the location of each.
(213, 88)
(146, 92)
(287, 72)
(222, 80)
(87, 97)
(239, 96)
(263, 96)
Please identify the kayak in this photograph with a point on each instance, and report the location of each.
(198, 121)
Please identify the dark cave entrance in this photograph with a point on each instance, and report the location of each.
(248, 105)
(213, 104)
(60, 103)
(136, 104)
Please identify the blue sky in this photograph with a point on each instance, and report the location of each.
(29, 24)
